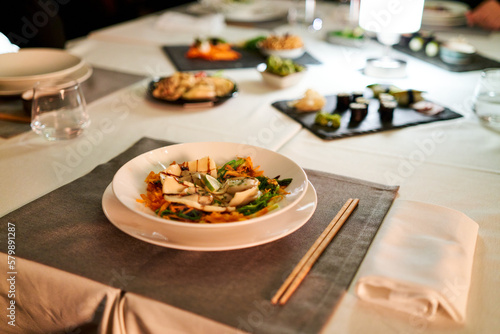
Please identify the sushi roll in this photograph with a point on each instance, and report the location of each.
(406, 98)
(386, 110)
(358, 112)
(355, 95)
(386, 97)
(362, 100)
(378, 89)
(343, 100)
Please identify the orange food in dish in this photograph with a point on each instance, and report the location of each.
(211, 51)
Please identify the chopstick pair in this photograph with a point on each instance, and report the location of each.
(14, 118)
(304, 266)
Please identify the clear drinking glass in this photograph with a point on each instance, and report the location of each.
(303, 12)
(58, 109)
(486, 100)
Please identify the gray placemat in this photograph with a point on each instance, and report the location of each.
(67, 229)
(100, 83)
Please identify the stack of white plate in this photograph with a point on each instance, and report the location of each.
(444, 14)
(19, 71)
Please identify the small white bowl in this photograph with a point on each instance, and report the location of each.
(278, 80)
(457, 53)
(283, 53)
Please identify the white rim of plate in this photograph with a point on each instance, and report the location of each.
(41, 76)
(80, 75)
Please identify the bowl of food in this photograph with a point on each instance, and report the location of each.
(286, 46)
(352, 37)
(281, 73)
(185, 88)
(211, 195)
(457, 52)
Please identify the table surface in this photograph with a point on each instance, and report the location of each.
(454, 163)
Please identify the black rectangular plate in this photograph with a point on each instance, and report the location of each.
(478, 62)
(249, 59)
(403, 117)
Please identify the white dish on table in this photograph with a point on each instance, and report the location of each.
(278, 80)
(242, 12)
(283, 53)
(65, 65)
(128, 184)
(219, 237)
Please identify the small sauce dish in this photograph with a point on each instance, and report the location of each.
(457, 53)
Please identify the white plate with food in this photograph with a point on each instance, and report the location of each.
(187, 189)
(225, 239)
(184, 88)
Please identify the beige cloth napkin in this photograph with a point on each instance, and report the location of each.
(421, 262)
(179, 22)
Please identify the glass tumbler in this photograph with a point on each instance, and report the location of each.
(486, 100)
(58, 109)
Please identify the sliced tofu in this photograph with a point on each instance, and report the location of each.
(244, 197)
(198, 202)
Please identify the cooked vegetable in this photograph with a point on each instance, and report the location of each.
(251, 44)
(282, 67)
(329, 120)
(356, 33)
(199, 191)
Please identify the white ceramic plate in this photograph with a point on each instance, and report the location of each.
(256, 13)
(220, 238)
(244, 12)
(283, 53)
(80, 75)
(37, 64)
(128, 182)
(280, 81)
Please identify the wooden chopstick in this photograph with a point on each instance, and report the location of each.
(14, 118)
(305, 264)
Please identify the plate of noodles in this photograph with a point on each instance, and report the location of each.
(209, 196)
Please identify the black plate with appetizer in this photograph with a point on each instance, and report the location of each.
(455, 54)
(185, 89)
(378, 108)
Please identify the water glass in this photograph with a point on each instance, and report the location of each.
(486, 100)
(58, 109)
(304, 13)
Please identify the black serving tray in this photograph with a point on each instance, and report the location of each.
(478, 62)
(403, 117)
(249, 59)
